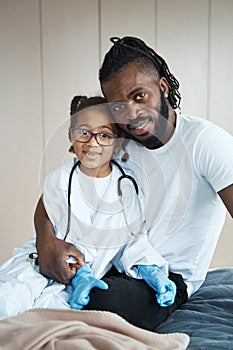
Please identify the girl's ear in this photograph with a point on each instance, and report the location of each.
(69, 135)
(121, 144)
(118, 145)
(71, 149)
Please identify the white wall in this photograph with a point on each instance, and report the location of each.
(52, 49)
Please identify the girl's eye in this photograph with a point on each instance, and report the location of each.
(105, 135)
(84, 132)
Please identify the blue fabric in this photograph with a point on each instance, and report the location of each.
(207, 316)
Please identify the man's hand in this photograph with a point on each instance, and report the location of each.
(53, 252)
(52, 260)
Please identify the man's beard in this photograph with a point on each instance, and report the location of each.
(156, 140)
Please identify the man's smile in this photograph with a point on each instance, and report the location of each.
(140, 126)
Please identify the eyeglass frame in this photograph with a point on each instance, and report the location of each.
(95, 135)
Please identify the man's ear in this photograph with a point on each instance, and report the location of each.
(164, 86)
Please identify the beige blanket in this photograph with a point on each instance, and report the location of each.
(81, 330)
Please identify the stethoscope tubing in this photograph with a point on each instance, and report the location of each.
(123, 176)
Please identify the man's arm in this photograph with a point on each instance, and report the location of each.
(53, 252)
(227, 197)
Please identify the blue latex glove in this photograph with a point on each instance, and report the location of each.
(83, 282)
(156, 279)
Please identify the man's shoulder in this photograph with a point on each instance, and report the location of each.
(189, 121)
(199, 127)
(192, 128)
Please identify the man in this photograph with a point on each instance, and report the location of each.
(188, 165)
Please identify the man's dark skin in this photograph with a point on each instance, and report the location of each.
(44, 229)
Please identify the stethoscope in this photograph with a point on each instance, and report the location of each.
(119, 192)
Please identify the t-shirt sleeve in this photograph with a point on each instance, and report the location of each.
(214, 157)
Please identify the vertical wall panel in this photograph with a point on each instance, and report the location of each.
(183, 42)
(127, 18)
(70, 66)
(20, 113)
(221, 73)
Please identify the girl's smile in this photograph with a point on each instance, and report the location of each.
(94, 156)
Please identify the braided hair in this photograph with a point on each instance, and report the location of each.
(130, 49)
(80, 102)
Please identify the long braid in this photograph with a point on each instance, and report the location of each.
(80, 102)
(129, 49)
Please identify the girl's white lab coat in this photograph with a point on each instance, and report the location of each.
(107, 230)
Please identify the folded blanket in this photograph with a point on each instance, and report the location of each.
(81, 330)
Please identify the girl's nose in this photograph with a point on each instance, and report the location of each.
(93, 141)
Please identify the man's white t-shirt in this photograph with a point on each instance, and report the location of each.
(184, 213)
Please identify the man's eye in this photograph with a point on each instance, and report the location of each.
(140, 96)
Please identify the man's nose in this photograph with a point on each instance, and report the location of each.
(126, 111)
(134, 111)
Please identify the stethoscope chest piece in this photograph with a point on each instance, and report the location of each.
(33, 259)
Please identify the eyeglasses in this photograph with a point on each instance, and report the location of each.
(84, 136)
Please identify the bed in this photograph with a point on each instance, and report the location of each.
(205, 321)
(207, 317)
